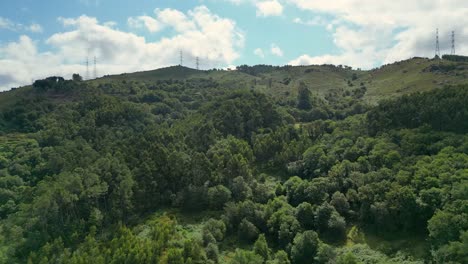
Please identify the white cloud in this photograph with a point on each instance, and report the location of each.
(367, 58)
(36, 28)
(214, 39)
(151, 24)
(264, 8)
(275, 50)
(7, 24)
(269, 8)
(230, 68)
(369, 32)
(178, 20)
(315, 21)
(259, 52)
(20, 62)
(110, 24)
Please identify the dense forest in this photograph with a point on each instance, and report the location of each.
(192, 171)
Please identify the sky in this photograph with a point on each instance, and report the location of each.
(57, 37)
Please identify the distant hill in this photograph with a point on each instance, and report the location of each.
(403, 77)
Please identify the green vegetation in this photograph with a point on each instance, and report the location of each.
(260, 165)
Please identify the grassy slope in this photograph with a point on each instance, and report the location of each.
(388, 81)
(173, 72)
(391, 80)
(411, 76)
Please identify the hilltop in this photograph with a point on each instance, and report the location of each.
(404, 77)
(387, 81)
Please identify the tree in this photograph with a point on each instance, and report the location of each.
(282, 221)
(175, 256)
(281, 257)
(218, 196)
(240, 189)
(347, 258)
(212, 252)
(456, 251)
(193, 250)
(295, 188)
(77, 78)
(316, 161)
(336, 228)
(445, 226)
(261, 247)
(323, 215)
(303, 97)
(230, 158)
(245, 257)
(304, 247)
(330, 224)
(216, 227)
(340, 202)
(248, 231)
(262, 193)
(208, 237)
(305, 215)
(325, 253)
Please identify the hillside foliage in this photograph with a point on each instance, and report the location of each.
(190, 171)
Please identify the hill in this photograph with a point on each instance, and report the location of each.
(262, 164)
(388, 81)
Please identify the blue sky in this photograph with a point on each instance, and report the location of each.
(261, 32)
(128, 36)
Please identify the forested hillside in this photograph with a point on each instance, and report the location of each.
(258, 165)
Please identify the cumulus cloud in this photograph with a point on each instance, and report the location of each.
(20, 62)
(178, 20)
(259, 52)
(269, 8)
(275, 50)
(366, 58)
(369, 32)
(264, 8)
(151, 24)
(200, 33)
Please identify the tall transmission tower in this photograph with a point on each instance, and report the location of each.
(197, 60)
(452, 52)
(88, 47)
(87, 68)
(181, 55)
(437, 47)
(95, 68)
